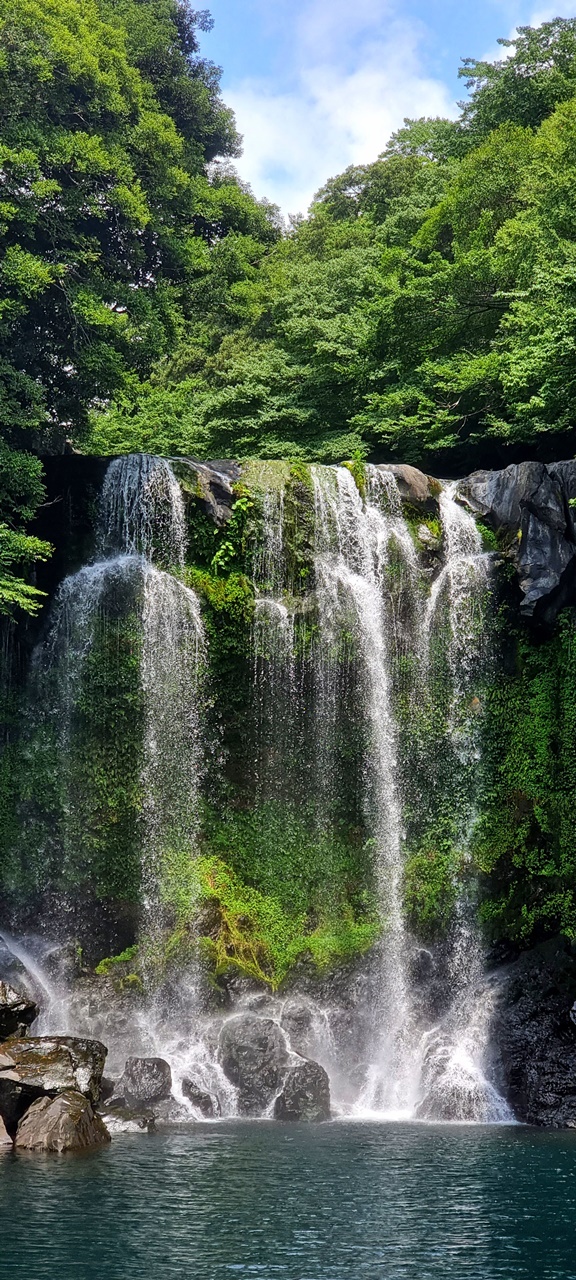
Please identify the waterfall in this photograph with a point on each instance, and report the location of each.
(453, 1069)
(463, 583)
(354, 540)
(141, 518)
(350, 668)
(274, 671)
(142, 511)
(173, 662)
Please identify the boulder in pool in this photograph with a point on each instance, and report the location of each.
(144, 1082)
(253, 1055)
(305, 1095)
(17, 1012)
(65, 1123)
(200, 1099)
(47, 1065)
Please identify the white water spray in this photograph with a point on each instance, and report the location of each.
(353, 547)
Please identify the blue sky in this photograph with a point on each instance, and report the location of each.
(320, 84)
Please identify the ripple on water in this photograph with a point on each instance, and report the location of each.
(355, 1200)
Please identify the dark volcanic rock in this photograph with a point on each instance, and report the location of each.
(17, 1012)
(64, 1123)
(119, 1118)
(144, 1082)
(532, 502)
(204, 1103)
(536, 1038)
(253, 1054)
(214, 481)
(297, 1020)
(306, 1094)
(49, 1065)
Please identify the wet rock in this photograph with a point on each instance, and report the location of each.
(107, 1088)
(530, 501)
(64, 1123)
(414, 486)
(214, 486)
(49, 1065)
(428, 539)
(170, 1111)
(122, 1120)
(460, 1095)
(17, 1012)
(306, 1094)
(535, 1037)
(297, 1021)
(5, 1139)
(253, 1054)
(204, 1103)
(145, 1081)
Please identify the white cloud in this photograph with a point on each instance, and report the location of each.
(552, 11)
(357, 72)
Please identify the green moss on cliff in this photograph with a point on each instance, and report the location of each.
(525, 841)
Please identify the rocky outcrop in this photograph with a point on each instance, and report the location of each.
(47, 1065)
(145, 1081)
(414, 487)
(530, 501)
(5, 1139)
(65, 1123)
(17, 1012)
(202, 1101)
(305, 1094)
(253, 1054)
(535, 1037)
(297, 1021)
(214, 481)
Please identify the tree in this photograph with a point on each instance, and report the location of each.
(108, 118)
(525, 87)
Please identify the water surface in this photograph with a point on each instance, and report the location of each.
(260, 1201)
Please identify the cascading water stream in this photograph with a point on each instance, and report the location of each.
(373, 640)
(141, 519)
(274, 670)
(453, 1053)
(353, 548)
(141, 510)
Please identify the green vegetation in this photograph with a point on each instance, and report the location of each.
(108, 218)
(422, 311)
(253, 933)
(525, 840)
(107, 966)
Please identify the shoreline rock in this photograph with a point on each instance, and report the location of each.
(64, 1123)
(305, 1094)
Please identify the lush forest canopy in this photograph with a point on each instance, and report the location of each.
(423, 311)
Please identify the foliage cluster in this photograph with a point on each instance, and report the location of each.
(110, 217)
(254, 934)
(423, 310)
(269, 892)
(525, 838)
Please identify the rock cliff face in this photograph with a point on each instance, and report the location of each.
(536, 1038)
(529, 508)
(531, 502)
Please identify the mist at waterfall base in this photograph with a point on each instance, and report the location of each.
(330, 1202)
(404, 1064)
